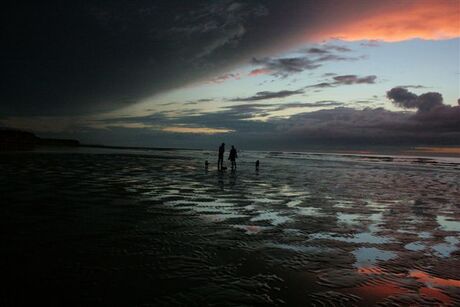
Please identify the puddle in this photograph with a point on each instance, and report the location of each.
(293, 203)
(351, 219)
(368, 256)
(447, 223)
(343, 204)
(415, 246)
(309, 211)
(447, 248)
(273, 217)
(363, 237)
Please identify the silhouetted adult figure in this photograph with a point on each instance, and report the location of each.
(220, 161)
(257, 165)
(232, 157)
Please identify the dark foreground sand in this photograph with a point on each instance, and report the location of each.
(157, 229)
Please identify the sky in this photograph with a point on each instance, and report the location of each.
(265, 74)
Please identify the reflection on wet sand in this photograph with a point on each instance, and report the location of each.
(401, 288)
(302, 231)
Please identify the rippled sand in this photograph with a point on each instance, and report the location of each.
(157, 229)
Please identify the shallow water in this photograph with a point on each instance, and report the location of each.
(155, 228)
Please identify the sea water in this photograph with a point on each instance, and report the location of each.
(120, 227)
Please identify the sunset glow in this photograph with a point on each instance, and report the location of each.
(420, 19)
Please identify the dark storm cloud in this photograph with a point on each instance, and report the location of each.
(412, 86)
(321, 85)
(317, 104)
(167, 103)
(256, 108)
(442, 119)
(432, 114)
(87, 57)
(346, 123)
(402, 97)
(423, 103)
(353, 79)
(223, 22)
(84, 57)
(429, 101)
(326, 49)
(316, 51)
(198, 101)
(372, 126)
(337, 48)
(336, 58)
(283, 67)
(286, 66)
(345, 80)
(268, 95)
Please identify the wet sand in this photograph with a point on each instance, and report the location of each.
(157, 229)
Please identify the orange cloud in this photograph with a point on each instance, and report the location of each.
(401, 20)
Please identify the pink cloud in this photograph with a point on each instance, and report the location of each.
(259, 71)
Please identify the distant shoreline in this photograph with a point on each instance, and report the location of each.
(137, 147)
(18, 140)
(12, 140)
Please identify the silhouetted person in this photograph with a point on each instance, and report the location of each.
(206, 165)
(232, 157)
(257, 165)
(220, 161)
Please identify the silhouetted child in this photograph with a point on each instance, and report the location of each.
(232, 157)
(206, 165)
(257, 165)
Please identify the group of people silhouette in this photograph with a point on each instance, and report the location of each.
(233, 155)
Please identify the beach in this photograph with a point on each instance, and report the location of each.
(155, 228)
